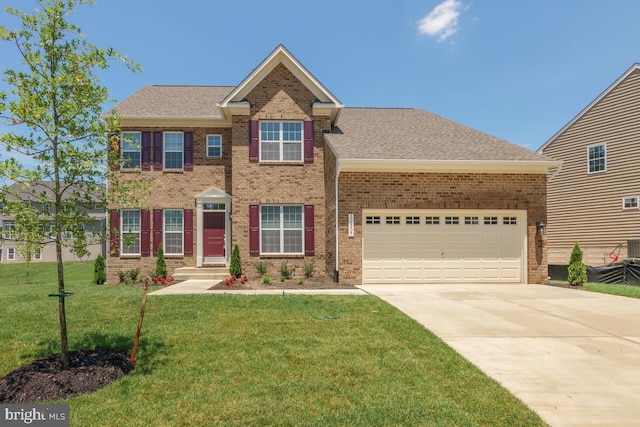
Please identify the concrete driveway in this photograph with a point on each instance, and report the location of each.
(572, 356)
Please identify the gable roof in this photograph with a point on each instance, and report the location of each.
(173, 102)
(280, 55)
(620, 79)
(416, 139)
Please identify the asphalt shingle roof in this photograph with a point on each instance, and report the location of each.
(409, 133)
(174, 101)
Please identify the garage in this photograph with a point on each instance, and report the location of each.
(443, 246)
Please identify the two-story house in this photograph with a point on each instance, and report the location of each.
(279, 166)
(594, 199)
(10, 244)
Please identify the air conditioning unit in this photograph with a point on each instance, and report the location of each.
(633, 248)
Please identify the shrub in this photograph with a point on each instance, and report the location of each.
(285, 271)
(235, 266)
(308, 268)
(99, 271)
(161, 265)
(266, 279)
(122, 276)
(577, 272)
(300, 282)
(261, 268)
(133, 274)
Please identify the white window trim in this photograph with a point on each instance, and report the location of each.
(122, 232)
(281, 229)
(8, 233)
(138, 150)
(164, 232)
(207, 146)
(164, 151)
(589, 172)
(37, 255)
(281, 141)
(11, 254)
(624, 199)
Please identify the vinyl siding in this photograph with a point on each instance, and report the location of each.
(587, 208)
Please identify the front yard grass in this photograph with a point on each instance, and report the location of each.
(255, 360)
(622, 290)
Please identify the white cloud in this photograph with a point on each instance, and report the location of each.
(442, 21)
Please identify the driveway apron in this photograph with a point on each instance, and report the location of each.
(571, 356)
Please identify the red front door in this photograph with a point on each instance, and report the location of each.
(214, 234)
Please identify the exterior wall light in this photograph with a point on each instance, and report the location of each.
(541, 228)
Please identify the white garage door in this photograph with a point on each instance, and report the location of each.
(446, 246)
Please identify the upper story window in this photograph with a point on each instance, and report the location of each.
(597, 158)
(214, 146)
(281, 141)
(8, 227)
(131, 142)
(630, 202)
(173, 150)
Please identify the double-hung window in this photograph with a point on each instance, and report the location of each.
(281, 141)
(8, 227)
(214, 146)
(597, 158)
(130, 231)
(281, 229)
(173, 231)
(131, 142)
(173, 150)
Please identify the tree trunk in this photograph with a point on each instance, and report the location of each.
(64, 343)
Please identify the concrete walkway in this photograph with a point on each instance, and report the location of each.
(572, 356)
(193, 286)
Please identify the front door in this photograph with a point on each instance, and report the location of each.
(213, 234)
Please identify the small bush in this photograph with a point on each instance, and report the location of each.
(261, 268)
(301, 282)
(577, 272)
(122, 276)
(308, 268)
(235, 266)
(99, 271)
(133, 274)
(285, 271)
(266, 279)
(161, 265)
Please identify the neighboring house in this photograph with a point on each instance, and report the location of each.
(10, 244)
(593, 199)
(280, 167)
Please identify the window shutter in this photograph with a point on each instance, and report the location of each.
(157, 150)
(188, 231)
(254, 230)
(254, 138)
(308, 141)
(309, 231)
(188, 151)
(114, 233)
(146, 151)
(145, 237)
(157, 230)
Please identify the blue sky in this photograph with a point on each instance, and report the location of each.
(516, 69)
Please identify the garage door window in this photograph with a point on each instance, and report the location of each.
(451, 220)
(471, 220)
(490, 220)
(373, 220)
(393, 220)
(509, 220)
(413, 220)
(432, 220)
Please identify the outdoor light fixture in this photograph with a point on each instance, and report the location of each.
(541, 227)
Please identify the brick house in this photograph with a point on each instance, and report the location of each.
(280, 167)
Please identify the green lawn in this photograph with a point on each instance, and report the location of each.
(608, 288)
(254, 360)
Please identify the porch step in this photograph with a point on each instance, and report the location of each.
(202, 273)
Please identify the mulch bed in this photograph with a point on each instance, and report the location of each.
(44, 379)
(317, 281)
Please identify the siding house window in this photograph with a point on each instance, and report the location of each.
(282, 228)
(281, 141)
(11, 254)
(7, 228)
(597, 158)
(37, 255)
(173, 150)
(130, 231)
(214, 146)
(173, 231)
(131, 143)
(630, 202)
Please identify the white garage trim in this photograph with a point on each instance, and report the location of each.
(444, 246)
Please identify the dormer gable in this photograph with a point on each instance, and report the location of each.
(325, 103)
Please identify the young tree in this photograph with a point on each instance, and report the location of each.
(577, 271)
(54, 102)
(235, 266)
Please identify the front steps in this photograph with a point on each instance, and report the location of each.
(201, 273)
